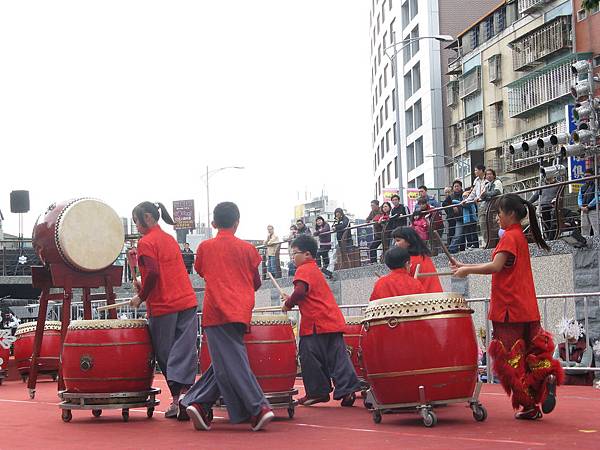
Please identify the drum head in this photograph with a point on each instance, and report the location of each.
(89, 235)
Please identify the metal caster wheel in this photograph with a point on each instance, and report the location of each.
(24, 378)
(96, 412)
(429, 419)
(150, 412)
(31, 394)
(54, 376)
(66, 415)
(125, 415)
(479, 413)
(377, 417)
(291, 412)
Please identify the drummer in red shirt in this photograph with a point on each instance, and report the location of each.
(407, 238)
(230, 268)
(170, 301)
(398, 281)
(521, 350)
(322, 351)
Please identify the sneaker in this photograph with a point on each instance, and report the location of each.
(348, 399)
(200, 418)
(259, 422)
(309, 401)
(182, 414)
(529, 414)
(550, 400)
(172, 411)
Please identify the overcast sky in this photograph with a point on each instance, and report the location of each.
(129, 101)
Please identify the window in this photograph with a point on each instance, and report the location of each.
(396, 167)
(385, 42)
(408, 121)
(393, 99)
(375, 189)
(377, 123)
(390, 3)
(378, 22)
(496, 115)
(376, 93)
(382, 148)
(412, 184)
(416, 77)
(383, 177)
(414, 8)
(380, 117)
(380, 85)
(374, 163)
(379, 54)
(406, 54)
(387, 140)
(414, 46)
(385, 75)
(383, 11)
(389, 172)
(494, 68)
(419, 152)
(421, 180)
(386, 107)
(407, 85)
(595, 9)
(392, 31)
(596, 61)
(378, 157)
(418, 115)
(452, 93)
(410, 157)
(581, 15)
(394, 133)
(405, 15)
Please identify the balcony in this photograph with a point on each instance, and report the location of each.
(549, 83)
(532, 48)
(528, 6)
(470, 82)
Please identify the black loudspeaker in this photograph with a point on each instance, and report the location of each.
(19, 201)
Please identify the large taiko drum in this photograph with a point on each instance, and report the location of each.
(48, 359)
(419, 340)
(85, 233)
(351, 339)
(108, 356)
(271, 347)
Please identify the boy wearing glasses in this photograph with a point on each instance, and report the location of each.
(322, 350)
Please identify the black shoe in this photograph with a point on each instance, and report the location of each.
(529, 414)
(348, 399)
(550, 401)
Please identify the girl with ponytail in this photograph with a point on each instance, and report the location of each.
(521, 350)
(170, 301)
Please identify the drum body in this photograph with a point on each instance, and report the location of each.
(271, 347)
(4, 356)
(86, 234)
(351, 339)
(419, 340)
(48, 358)
(108, 356)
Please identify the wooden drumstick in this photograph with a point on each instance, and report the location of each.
(267, 309)
(417, 270)
(113, 306)
(276, 284)
(444, 248)
(434, 274)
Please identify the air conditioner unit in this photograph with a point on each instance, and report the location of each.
(459, 125)
(476, 129)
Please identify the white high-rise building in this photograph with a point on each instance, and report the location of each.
(422, 66)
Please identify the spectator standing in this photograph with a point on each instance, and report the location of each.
(340, 225)
(477, 190)
(587, 203)
(469, 212)
(374, 216)
(420, 223)
(188, 257)
(493, 189)
(289, 239)
(272, 243)
(302, 228)
(398, 217)
(450, 216)
(423, 193)
(322, 231)
(458, 241)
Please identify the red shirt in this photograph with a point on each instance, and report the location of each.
(430, 284)
(397, 282)
(513, 292)
(228, 265)
(173, 292)
(319, 310)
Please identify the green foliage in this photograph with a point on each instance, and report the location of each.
(589, 4)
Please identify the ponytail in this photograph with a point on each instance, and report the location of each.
(520, 207)
(152, 209)
(164, 214)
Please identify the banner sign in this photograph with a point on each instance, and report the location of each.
(183, 214)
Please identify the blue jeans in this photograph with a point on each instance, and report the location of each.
(272, 265)
(458, 239)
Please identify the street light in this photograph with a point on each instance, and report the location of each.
(207, 177)
(394, 60)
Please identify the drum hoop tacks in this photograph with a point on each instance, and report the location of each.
(107, 324)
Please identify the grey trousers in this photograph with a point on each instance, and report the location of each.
(174, 340)
(323, 357)
(228, 376)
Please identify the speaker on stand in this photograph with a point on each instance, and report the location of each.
(19, 204)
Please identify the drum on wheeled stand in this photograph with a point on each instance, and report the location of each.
(48, 359)
(108, 364)
(420, 351)
(352, 341)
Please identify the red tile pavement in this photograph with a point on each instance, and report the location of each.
(36, 423)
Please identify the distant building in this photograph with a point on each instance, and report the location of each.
(318, 206)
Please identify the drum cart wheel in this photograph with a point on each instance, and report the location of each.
(377, 416)
(479, 412)
(99, 401)
(278, 400)
(291, 411)
(429, 417)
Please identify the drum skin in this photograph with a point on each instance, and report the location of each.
(108, 356)
(89, 241)
(437, 351)
(48, 360)
(351, 339)
(271, 347)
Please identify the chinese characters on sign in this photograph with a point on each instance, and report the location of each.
(183, 214)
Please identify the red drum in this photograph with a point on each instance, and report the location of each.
(49, 353)
(271, 347)
(351, 338)
(86, 234)
(108, 356)
(4, 355)
(419, 340)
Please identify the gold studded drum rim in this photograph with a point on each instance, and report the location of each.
(28, 327)
(354, 320)
(279, 319)
(110, 324)
(416, 305)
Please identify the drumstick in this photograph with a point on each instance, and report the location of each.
(268, 309)
(113, 306)
(434, 274)
(444, 248)
(417, 270)
(281, 293)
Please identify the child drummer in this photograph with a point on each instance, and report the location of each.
(322, 351)
(230, 268)
(521, 349)
(398, 281)
(170, 301)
